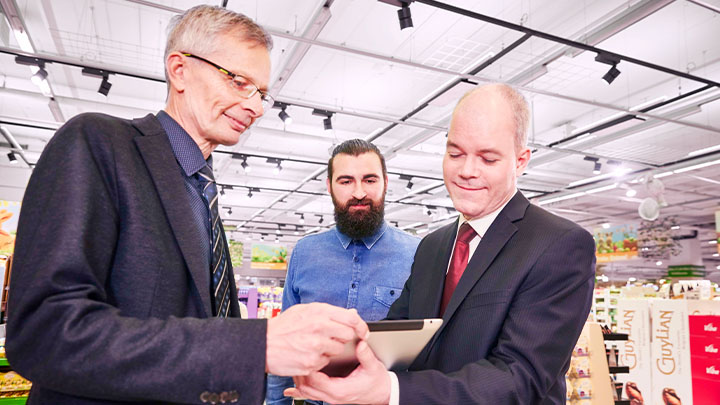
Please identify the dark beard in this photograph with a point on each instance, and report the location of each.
(360, 224)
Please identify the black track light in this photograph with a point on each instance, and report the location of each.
(285, 117)
(597, 168)
(409, 185)
(105, 86)
(250, 193)
(404, 16)
(302, 218)
(611, 60)
(327, 124)
(12, 158)
(611, 74)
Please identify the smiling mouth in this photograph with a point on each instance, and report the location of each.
(236, 124)
(469, 188)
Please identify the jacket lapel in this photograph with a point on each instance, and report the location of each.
(495, 239)
(157, 153)
(430, 304)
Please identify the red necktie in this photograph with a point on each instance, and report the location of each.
(458, 262)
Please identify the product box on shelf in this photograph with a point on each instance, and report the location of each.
(633, 318)
(670, 351)
(705, 351)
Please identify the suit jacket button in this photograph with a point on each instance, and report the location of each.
(224, 397)
(234, 396)
(213, 398)
(205, 397)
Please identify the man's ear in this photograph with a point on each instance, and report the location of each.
(329, 185)
(175, 67)
(523, 158)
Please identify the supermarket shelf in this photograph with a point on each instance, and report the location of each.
(13, 401)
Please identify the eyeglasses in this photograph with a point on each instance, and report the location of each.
(242, 84)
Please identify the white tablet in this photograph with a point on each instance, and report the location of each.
(395, 343)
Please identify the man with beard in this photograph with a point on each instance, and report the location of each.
(361, 263)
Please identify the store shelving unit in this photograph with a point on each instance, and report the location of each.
(21, 400)
(604, 307)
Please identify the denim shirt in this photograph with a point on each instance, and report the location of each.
(367, 274)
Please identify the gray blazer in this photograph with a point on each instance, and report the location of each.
(512, 323)
(110, 299)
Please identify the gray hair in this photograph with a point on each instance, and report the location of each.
(518, 104)
(196, 31)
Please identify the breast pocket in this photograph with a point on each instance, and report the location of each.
(486, 298)
(382, 300)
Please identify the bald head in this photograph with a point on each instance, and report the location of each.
(500, 96)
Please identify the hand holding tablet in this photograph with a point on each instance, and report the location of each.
(395, 343)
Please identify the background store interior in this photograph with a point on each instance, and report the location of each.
(625, 98)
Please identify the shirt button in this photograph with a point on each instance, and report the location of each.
(356, 259)
(353, 285)
(392, 292)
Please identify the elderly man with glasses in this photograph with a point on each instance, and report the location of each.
(122, 289)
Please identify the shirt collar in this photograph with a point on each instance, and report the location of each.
(482, 224)
(186, 151)
(368, 241)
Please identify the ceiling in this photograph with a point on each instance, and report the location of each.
(397, 88)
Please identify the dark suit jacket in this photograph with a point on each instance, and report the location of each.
(514, 318)
(108, 289)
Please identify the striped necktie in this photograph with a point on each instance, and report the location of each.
(219, 266)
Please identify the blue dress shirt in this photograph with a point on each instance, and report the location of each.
(190, 160)
(367, 274)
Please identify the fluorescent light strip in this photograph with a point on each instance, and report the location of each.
(664, 174)
(601, 189)
(704, 150)
(561, 198)
(698, 166)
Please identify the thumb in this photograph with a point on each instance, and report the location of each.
(365, 355)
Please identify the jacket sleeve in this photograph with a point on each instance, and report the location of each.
(541, 327)
(66, 335)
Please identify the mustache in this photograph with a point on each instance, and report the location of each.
(355, 201)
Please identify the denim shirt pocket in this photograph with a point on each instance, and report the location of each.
(383, 299)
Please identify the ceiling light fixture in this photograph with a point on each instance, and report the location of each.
(39, 76)
(597, 165)
(302, 218)
(320, 221)
(249, 193)
(611, 60)
(327, 121)
(284, 116)
(105, 84)
(12, 158)
(404, 16)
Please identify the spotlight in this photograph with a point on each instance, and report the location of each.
(409, 185)
(606, 225)
(230, 211)
(39, 76)
(302, 218)
(404, 16)
(250, 193)
(105, 86)
(611, 74)
(246, 167)
(285, 117)
(222, 190)
(597, 166)
(297, 230)
(12, 158)
(631, 192)
(327, 121)
(611, 60)
(320, 221)
(277, 169)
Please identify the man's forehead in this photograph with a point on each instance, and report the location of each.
(366, 162)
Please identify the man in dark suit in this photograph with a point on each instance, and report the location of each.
(513, 313)
(122, 289)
